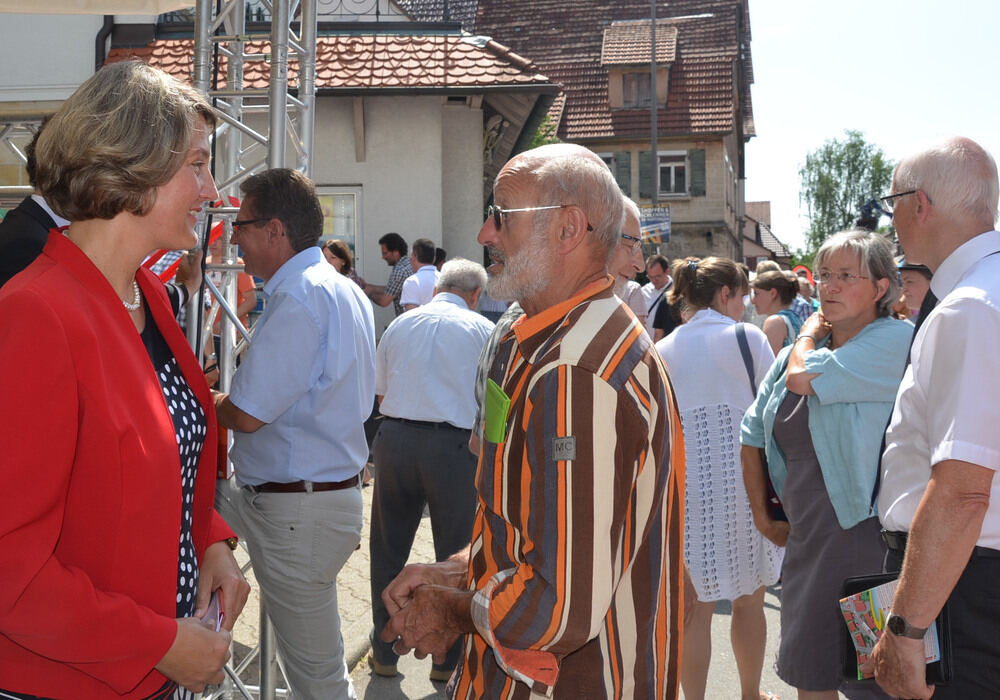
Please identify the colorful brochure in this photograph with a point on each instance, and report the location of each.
(866, 613)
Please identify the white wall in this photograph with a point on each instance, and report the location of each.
(421, 177)
(461, 181)
(45, 57)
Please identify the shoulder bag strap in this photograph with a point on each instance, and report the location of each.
(741, 338)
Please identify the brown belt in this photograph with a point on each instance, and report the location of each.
(304, 486)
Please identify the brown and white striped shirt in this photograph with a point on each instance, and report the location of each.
(576, 549)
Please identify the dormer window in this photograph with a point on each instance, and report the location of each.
(635, 89)
(626, 54)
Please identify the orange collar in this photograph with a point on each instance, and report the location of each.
(526, 326)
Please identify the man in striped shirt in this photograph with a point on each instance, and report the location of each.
(571, 585)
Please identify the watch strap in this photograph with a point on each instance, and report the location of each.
(898, 625)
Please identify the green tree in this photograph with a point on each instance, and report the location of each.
(837, 180)
(801, 257)
(545, 134)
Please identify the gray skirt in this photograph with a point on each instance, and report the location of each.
(818, 557)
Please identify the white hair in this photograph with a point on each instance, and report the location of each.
(461, 275)
(571, 174)
(958, 177)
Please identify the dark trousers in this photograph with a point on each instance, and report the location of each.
(974, 610)
(414, 465)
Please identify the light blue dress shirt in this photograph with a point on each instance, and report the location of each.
(310, 375)
(855, 391)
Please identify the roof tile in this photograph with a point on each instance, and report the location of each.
(626, 43)
(365, 61)
(711, 40)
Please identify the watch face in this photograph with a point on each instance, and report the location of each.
(896, 624)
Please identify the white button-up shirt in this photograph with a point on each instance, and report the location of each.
(425, 365)
(948, 406)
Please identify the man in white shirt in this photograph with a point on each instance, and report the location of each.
(425, 374)
(655, 291)
(418, 288)
(938, 500)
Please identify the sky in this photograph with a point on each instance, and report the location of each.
(903, 72)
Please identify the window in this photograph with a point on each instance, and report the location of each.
(678, 173)
(341, 207)
(635, 90)
(673, 173)
(620, 164)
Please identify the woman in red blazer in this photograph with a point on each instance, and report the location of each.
(109, 544)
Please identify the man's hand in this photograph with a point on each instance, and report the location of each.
(219, 570)
(197, 656)
(431, 622)
(898, 663)
(398, 594)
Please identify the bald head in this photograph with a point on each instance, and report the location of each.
(959, 178)
(564, 173)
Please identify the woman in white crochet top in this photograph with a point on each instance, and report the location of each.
(726, 557)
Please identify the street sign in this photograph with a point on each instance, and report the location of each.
(654, 223)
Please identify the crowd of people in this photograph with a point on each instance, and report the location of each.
(602, 461)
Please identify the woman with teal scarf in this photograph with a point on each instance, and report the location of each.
(819, 416)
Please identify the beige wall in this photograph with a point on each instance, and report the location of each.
(421, 176)
(691, 217)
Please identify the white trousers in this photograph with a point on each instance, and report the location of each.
(298, 542)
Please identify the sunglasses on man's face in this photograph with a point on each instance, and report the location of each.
(497, 213)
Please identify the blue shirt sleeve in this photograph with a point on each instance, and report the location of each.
(866, 368)
(283, 362)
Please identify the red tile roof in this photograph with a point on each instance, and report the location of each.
(712, 62)
(626, 43)
(369, 62)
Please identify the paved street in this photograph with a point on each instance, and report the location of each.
(413, 681)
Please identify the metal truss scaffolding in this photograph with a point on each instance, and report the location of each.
(256, 126)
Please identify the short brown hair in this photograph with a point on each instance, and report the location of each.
(122, 134)
(290, 197)
(784, 281)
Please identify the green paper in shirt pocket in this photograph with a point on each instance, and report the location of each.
(497, 408)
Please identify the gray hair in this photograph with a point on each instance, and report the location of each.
(631, 206)
(570, 174)
(874, 254)
(461, 275)
(958, 176)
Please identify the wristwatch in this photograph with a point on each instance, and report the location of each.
(234, 543)
(898, 625)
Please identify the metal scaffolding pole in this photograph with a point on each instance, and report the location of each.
(221, 34)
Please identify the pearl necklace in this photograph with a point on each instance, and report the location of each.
(136, 298)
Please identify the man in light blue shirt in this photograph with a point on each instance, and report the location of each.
(425, 378)
(297, 408)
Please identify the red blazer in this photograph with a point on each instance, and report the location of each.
(90, 494)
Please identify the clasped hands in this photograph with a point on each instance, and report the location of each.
(428, 611)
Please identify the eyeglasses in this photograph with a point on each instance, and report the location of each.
(887, 201)
(848, 278)
(496, 212)
(246, 222)
(636, 243)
